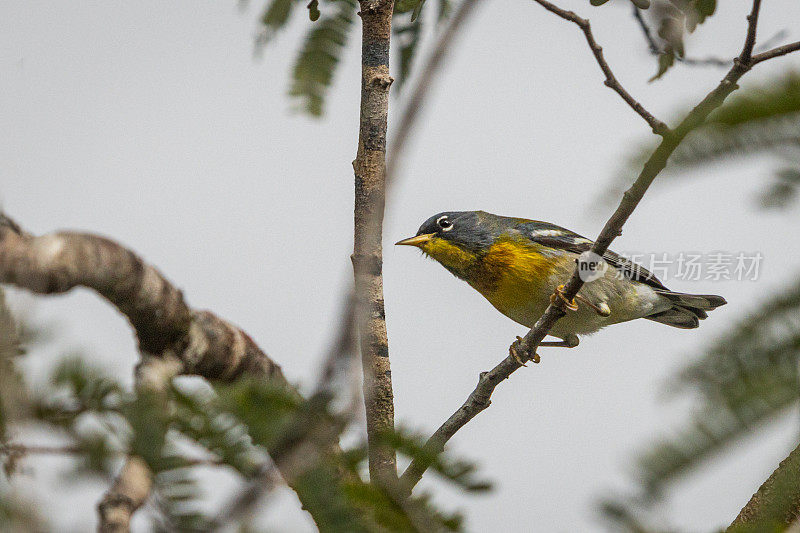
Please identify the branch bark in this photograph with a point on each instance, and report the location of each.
(658, 127)
(135, 481)
(370, 195)
(480, 398)
(777, 501)
(167, 329)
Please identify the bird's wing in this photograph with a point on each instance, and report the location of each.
(560, 238)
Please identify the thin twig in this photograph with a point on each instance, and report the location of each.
(658, 127)
(480, 398)
(752, 26)
(775, 52)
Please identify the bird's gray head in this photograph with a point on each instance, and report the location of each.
(471, 231)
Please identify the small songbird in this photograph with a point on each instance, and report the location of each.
(519, 264)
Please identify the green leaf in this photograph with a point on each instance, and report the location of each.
(275, 18)
(315, 65)
(747, 377)
(404, 6)
(597, 2)
(665, 61)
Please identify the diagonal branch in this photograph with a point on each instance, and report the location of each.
(776, 504)
(775, 52)
(480, 398)
(658, 127)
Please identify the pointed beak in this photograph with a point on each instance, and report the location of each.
(417, 241)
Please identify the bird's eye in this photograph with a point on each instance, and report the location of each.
(444, 223)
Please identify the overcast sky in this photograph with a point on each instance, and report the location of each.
(152, 123)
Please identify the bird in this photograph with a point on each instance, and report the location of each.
(520, 266)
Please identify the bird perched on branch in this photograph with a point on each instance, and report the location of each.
(520, 265)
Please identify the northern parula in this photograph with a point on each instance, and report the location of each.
(519, 265)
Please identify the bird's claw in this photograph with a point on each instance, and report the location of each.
(513, 352)
(558, 298)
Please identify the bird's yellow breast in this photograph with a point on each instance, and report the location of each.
(513, 276)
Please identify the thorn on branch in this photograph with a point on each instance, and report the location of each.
(384, 81)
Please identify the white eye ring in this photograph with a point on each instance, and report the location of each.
(441, 221)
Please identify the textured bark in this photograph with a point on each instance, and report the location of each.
(777, 501)
(173, 338)
(129, 492)
(370, 191)
(164, 324)
(480, 398)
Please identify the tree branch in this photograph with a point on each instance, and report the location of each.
(135, 481)
(777, 501)
(775, 52)
(658, 127)
(168, 331)
(370, 195)
(480, 398)
(205, 344)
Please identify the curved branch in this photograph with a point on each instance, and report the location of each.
(173, 338)
(164, 324)
(658, 127)
(480, 398)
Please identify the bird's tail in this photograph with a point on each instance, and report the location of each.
(687, 309)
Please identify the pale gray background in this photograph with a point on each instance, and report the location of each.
(152, 123)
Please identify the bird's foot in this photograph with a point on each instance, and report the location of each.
(601, 309)
(570, 341)
(558, 298)
(513, 351)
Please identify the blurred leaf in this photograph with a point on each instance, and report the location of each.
(405, 6)
(315, 65)
(406, 36)
(597, 2)
(784, 191)
(417, 10)
(776, 98)
(765, 118)
(749, 376)
(275, 18)
(313, 10)
(460, 472)
(665, 61)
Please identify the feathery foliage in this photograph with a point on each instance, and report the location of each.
(749, 376)
(762, 119)
(315, 65)
(247, 426)
(325, 41)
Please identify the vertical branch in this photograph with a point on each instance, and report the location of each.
(370, 192)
